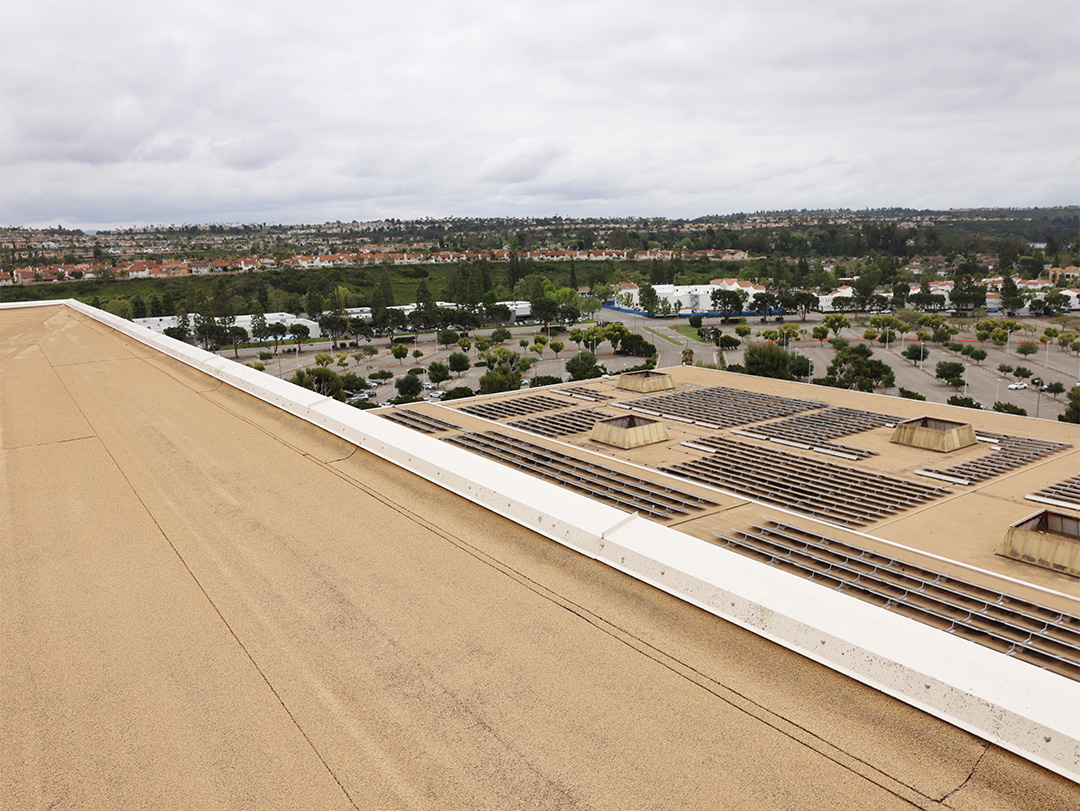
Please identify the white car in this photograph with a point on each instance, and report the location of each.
(1020, 384)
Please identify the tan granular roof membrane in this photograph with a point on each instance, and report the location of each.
(207, 603)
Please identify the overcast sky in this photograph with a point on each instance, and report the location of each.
(123, 112)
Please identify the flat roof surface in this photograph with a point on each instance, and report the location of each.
(206, 602)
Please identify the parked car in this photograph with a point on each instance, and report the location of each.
(1020, 384)
(1043, 387)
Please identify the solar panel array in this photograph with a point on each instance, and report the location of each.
(563, 423)
(514, 406)
(585, 393)
(600, 482)
(1066, 491)
(1021, 628)
(817, 428)
(424, 423)
(718, 406)
(841, 495)
(1010, 452)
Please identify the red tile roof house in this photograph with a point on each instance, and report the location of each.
(140, 269)
(6, 278)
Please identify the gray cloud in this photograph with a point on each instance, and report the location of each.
(240, 110)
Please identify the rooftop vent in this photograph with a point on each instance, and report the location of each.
(629, 432)
(646, 382)
(1047, 539)
(934, 434)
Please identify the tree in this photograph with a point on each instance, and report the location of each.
(359, 328)
(916, 353)
(237, 335)
(458, 362)
(799, 365)
(854, 367)
(1022, 372)
(260, 331)
(300, 334)
(728, 303)
(965, 402)
(820, 333)
(457, 393)
(583, 366)
(1072, 410)
(120, 307)
(949, 370)
(438, 372)
(1026, 349)
(835, 322)
(1005, 368)
(1054, 389)
(1011, 299)
(334, 324)
(277, 331)
(408, 387)
(544, 310)
(313, 305)
(977, 355)
(323, 359)
(1009, 408)
(648, 300)
(321, 380)
(766, 359)
(556, 347)
(765, 303)
(208, 331)
(399, 351)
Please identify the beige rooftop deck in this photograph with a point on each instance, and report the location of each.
(208, 603)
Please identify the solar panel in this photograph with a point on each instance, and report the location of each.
(513, 406)
(563, 423)
(424, 423)
(1066, 493)
(1017, 627)
(1007, 452)
(838, 494)
(718, 406)
(601, 482)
